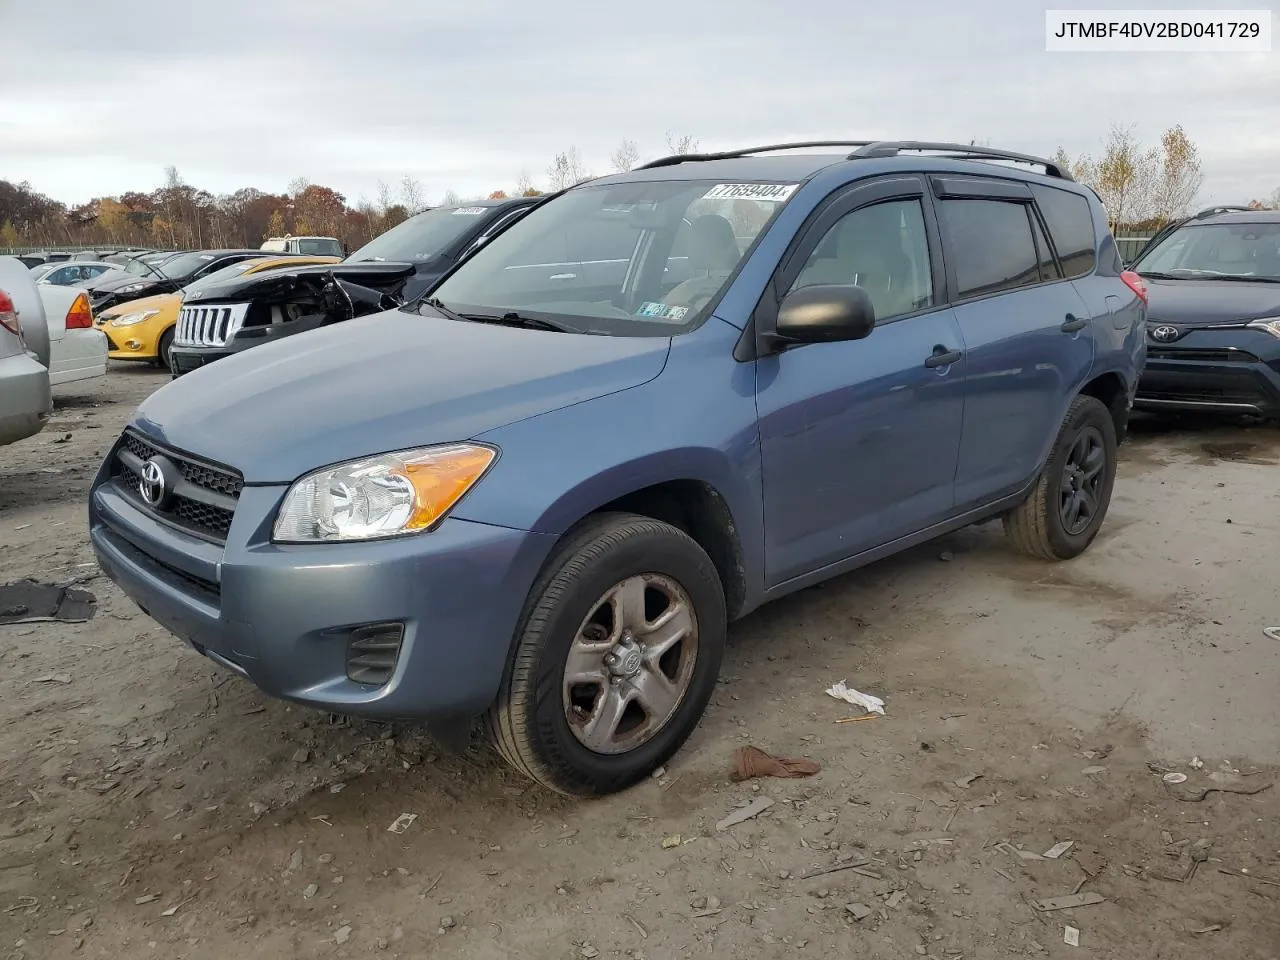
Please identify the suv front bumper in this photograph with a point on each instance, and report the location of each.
(283, 615)
(1223, 380)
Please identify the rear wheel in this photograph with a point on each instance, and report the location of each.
(163, 360)
(615, 660)
(1065, 509)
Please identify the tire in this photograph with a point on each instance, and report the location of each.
(162, 351)
(540, 722)
(1037, 526)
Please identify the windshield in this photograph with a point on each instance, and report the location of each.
(422, 237)
(185, 265)
(227, 273)
(138, 268)
(319, 247)
(638, 258)
(1246, 250)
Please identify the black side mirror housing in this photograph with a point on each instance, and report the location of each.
(825, 313)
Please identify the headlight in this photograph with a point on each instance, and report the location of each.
(129, 319)
(1269, 324)
(131, 288)
(384, 496)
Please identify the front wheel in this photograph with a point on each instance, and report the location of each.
(1065, 509)
(616, 657)
(163, 359)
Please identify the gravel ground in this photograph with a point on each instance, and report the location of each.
(152, 805)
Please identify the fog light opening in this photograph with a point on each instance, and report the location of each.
(372, 652)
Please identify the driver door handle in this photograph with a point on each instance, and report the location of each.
(942, 357)
(1074, 323)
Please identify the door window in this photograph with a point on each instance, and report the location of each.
(990, 243)
(1070, 225)
(882, 248)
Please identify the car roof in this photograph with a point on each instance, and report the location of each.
(1236, 216)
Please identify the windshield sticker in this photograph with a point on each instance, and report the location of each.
(468, 211)
(206, 256)
(660, 311)
(772, 192)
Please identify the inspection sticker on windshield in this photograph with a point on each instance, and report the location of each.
(651, 310)
(773, 192)
(468, 211)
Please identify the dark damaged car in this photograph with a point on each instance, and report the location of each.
(392, 269)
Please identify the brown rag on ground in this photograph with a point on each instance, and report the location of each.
(750, 762)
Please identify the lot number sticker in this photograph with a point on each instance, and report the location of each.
(468, 211)
(772, 192)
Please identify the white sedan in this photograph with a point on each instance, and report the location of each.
(76, 351)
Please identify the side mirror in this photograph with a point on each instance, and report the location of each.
(826, 313)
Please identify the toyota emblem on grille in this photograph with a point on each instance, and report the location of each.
(152, 484)
(1165, 333)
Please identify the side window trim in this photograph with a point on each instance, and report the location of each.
(1040, 232)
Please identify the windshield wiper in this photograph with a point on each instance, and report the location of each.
(1241, 278)
(513, 319)
(1155, 275)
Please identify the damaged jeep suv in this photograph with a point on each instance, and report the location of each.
(392, 269)
(652, 404)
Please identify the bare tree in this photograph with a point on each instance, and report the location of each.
(411, 194)
(451, 199)
(525, 186)
(1125, 178)
(567, 169)
(626, 156)
(681, 145)
(1178, 178)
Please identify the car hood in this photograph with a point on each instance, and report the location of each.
(388, 381)
(157, 302)
(277, 282)
(1210, 303)
(110, 284)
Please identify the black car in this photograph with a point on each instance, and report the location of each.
(1213, 327)
(168, 276)
(390, 270)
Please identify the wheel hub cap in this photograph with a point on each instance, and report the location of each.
(625, 658)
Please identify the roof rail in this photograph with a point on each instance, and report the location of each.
(747, 151)
(957, 151)
(1214, 211)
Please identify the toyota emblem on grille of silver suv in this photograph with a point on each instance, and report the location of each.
(1165, 333)
(152, 483)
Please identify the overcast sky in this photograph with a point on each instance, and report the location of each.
(98, 97)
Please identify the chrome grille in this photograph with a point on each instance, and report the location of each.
(204, 501)
(210, 326)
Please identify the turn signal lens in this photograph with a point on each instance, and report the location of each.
(1135, 283)
(80, 317)
(9, 315)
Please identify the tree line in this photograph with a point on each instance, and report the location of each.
(1141, 186)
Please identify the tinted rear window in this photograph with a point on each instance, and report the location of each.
(990, 243)
(1071, 227)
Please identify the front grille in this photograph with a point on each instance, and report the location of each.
(1203, 355)
(209, 326)
(203, 500)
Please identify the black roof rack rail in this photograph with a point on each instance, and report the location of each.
(1214, 211)
(748, 151)
(957, 151)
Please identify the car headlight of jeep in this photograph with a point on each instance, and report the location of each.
(384, 496)
(1270, 325)
(129, 319)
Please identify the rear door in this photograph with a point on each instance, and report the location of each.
(1027, 332)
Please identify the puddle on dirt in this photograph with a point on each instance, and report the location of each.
(1236, 451)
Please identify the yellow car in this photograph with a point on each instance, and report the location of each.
(143, 329)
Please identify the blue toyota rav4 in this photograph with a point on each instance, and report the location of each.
(540, 494)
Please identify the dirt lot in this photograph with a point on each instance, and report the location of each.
(151, 805)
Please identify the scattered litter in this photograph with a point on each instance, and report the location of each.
(990, 801)
(671, 842)
(846, 693)
(644, 934)
(964, 782)
(337, 787)
(897, 898)
(1058, 849)
(1244, 872)
(703, 914)
(258, 809)
(149, 898)
(1093, 771)
(342, 935)
(402, 823)
(1201, 794)
(301, 755)
(749, 812)
(309, 891)
(659, 773)
(750, 762)
(1175, 778)
(1196, 763)
(1069, 902)
(1214, 928)
(859, 911)
(53, 678)
(1013, 851)
(1272, 632)
(1071, 937)
(823, 871)
(29, 601)
(176, 907)
(865, 716)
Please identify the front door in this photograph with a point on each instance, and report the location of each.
(859, 440)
